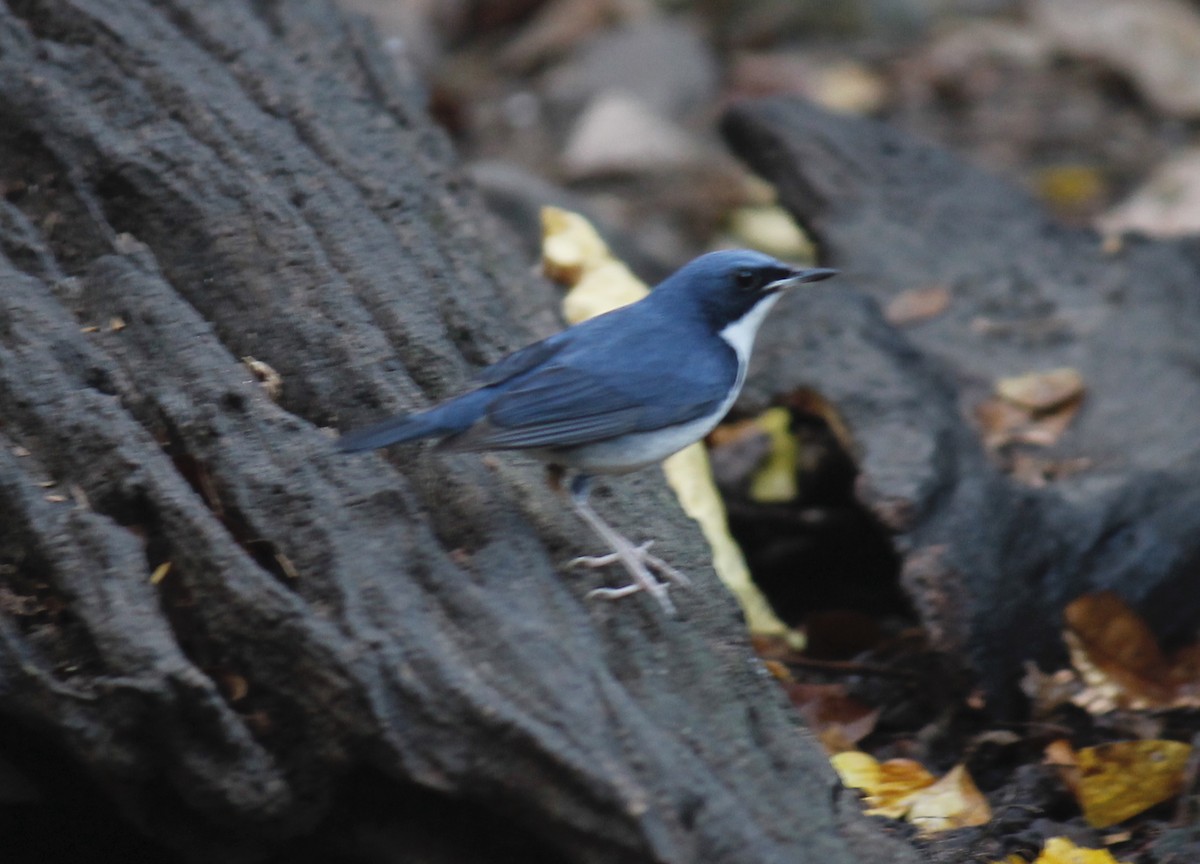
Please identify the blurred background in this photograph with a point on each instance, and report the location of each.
(610, 106)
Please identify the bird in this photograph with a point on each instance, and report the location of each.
(617, 392)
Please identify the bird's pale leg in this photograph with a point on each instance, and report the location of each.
(633, 557)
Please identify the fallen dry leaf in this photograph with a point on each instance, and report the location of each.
(771, 229)
(887, 785)
(917, 304)
(1037, 409)
(1071, 188)
(775, 480)
(1120, 780)
(160, 573)
(1118, 657)
(903, 788)
(271, 380)
(1060, 850)
(952, 802)
(837, 719)
(848, 88)
(1041, 391)
(1004, 423)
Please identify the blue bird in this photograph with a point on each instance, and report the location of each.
(617, 392)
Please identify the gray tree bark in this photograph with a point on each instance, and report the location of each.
(365, 656)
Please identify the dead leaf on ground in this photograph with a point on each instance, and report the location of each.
(837, 719)
(160, 573)
(1041, 391)
(1120, 662)
(848, 88)
(1036, 408)
(917, 304)
(887, 785)
(952, 802)
(1060, 850)
(1003, 423)
(771, 229)
(1071, 188)
(1122, 779)
(775, 479)
(271, 380)
(903, 788)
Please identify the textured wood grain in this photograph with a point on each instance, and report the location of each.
(349, 655)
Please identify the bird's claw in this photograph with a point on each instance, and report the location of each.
(642, 552)
(643, 582)
(638, 561)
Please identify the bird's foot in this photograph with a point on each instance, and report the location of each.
(642, 552)
(637, 561)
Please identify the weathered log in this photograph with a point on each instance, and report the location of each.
(355, 654)
(1027, 294)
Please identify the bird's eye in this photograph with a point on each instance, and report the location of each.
(746, 279)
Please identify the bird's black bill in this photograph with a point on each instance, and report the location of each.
(816, 274)
(800, 277)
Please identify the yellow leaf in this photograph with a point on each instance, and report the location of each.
(775, 481)
(771, 229)
(952, 802)
(1060, 850)
(856, 769)
(1121, 780)
(575, 255)
(888, 785)
(1071, 186)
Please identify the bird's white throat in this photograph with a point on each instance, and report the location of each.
(740, 334)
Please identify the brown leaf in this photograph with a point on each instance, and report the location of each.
(917, 304)
(839, 720)
(1041, 391)
(1115, 645)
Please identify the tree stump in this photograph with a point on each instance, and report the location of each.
(218, 634)
(991, 561)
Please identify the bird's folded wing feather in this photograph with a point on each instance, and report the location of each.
(520, 361)
(563, 406)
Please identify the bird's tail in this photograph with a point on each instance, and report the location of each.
(446, 419)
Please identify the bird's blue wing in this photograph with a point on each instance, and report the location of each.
(520, 361)
(564, 406)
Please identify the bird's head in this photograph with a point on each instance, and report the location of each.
(727, 287)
